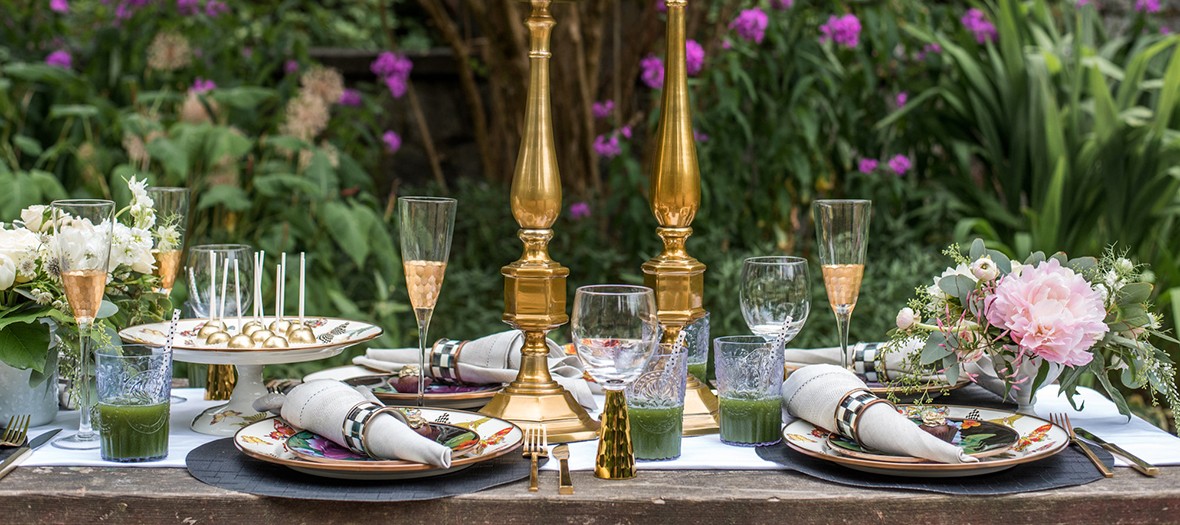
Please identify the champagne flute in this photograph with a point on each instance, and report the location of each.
(842, 229)
(426, 225)
(171, 206)
(82, 232)
(616, 332)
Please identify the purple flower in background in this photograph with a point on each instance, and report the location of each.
(625, 131)
(782, 4)
(977, 23)
(188, 7)
(751, 24)
(350, 97)
(602, 109)
(579, 210)
(291, 67)
(215, 8)
(394, 69)
(901, 98)
(843, 30)
(653, 71)
(900, 164)
(60, 58)
(867, 165)
(59, 6)
(201, 85)
(247, 52)
(928, 49)
(694, 57)
(1147, 6)
(661, 6)
(1164, 30)
(384, 65)
(700, 136)
(393, 141)
(608, 147)
(397, 86)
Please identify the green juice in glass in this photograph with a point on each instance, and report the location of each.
(655, 432)
(700, 370)
(751, 422)
(133, 432)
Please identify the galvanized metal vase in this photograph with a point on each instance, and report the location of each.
(17, 397)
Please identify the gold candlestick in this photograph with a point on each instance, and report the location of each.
(534, 286)
(677, 278)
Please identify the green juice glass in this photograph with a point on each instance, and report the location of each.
(134, 386)
(655, 405)
(697, 340)
(749, 379)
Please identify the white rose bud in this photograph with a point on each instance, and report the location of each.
(1017, 267)
(34, 218)
(985, 269)
(906, 318)
(7, 272)
(1124, 265)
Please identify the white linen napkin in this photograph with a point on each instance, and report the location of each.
(494, 359)
(321, 407)
(813, 393)
(889, 364)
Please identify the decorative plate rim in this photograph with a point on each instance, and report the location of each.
(908, 460)
(488, 393)
(341, 462)
(938, 467)
(125, 335)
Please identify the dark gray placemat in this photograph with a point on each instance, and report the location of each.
(220, 464)
(1066, 469)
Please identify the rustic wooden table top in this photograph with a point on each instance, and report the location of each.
(82, 495)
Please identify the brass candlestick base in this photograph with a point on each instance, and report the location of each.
(220, 381)
(701, 409)
(616, 457)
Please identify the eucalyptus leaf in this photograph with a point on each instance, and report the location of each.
(1133, 293)
(957, 286)
(935, 349)
(1002, 261)
(978, 249)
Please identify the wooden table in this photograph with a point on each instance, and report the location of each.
(80, 495)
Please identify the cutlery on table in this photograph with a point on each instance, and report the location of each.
(16, 431)
(10, 464)
(1062, 420)
(1145, 468)
(562, 453)
(536, 445)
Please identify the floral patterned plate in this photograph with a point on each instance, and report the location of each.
(1038, 439)
(976, 438)
(267, 440)
(439, 395)
(313, 447)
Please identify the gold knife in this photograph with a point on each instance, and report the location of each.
(1145, 468)
(9, 464)
(562, 453)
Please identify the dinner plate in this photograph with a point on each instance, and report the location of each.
(1038, 439)
(267, 440)
(313, 447)
(437, 395)
(329, 333)
(976, 438)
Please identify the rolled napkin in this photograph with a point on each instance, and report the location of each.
(490, 360)
(873, 362)
(346, 417)
(815, 394)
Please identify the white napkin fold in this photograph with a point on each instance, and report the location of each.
(321, 407)
(894, 360)
(812, 393)
(494, 359)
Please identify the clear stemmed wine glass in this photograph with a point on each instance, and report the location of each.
(775, 296)
(426, 225)
(82, 232)
(616, 332)
(171, 206)
(842, 229)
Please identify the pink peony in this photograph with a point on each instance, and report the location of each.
(1051, 312)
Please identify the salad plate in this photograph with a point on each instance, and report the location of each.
(439, 395)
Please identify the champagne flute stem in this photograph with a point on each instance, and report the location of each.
(85, 430)
(842, 322)
(423, 328)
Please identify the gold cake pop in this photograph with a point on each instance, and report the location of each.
(275, 342)
(255, 324)
(299, 333)
(241, 341)
(210, 328)
(279, 325)
(217, 338)
(221, 335)
(261, 335)
(251, 327)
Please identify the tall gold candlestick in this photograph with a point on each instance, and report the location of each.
(677, 278)
(534, 286)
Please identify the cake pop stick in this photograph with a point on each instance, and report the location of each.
(238, 293)
(299, 332)
(224, 290)
(302, 282)
(220, 336)
(211, 326)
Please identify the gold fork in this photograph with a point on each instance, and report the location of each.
(16, 431)
(531, 434)
(1062, 420)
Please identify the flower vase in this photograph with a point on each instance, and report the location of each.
(19, 397)
(988, 375)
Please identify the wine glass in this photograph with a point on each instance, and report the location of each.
(775, 296)
(426, 225)
(171, 206)
(615, 331)
(82, 232)
(842, 229)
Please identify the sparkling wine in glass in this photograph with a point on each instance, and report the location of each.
(426, 225)
(775, 296)
(82, 232)
(842, 231)
(171, 207)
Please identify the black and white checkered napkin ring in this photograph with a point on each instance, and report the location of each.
(444, 360)
(356, 424)
(848, 412)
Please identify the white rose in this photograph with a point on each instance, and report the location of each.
(985, 269)
(906, 318)
(34, 218)
(21, 247)
(1017, 267)
(7, 272)
(1124, 265)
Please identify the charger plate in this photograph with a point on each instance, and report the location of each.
(1039, 439)
(437, 395)
(266, 440)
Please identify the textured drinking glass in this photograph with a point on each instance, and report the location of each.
(615, 331)
(134, 384)
(775, 296)
(842, 229)
(749, 378)
(171, 206)
(82, 232)
(426, 225)
(696, 338)
(203, 261)
(655, 404)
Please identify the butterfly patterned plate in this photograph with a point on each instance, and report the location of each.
(332, 335)
(313, 447)
(267, 440)
(1038, 439)
(976, 438)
